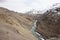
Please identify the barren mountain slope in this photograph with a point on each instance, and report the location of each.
(14, 26)
(49, 24)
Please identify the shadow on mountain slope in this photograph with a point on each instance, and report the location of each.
(49, 24)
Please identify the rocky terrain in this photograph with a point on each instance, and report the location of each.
(49, 24)
(15, 26)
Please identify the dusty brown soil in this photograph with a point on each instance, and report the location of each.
(15, 26)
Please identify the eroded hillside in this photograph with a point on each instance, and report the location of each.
(15, 26)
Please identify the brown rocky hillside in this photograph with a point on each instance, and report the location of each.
(49, 24)
(15, 26)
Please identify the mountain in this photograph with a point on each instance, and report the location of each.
(34, 12)
(15, 26)
(49, 24)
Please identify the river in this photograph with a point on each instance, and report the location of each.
(36, 34)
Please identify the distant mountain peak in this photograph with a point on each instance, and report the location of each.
(34, 12)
